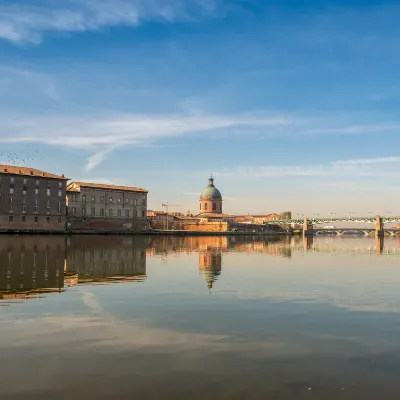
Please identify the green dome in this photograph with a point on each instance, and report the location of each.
(211, 192)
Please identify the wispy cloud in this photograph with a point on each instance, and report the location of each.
(368, 161)
(351, 168)
(20, 22)
(100, 135)
(97, 158)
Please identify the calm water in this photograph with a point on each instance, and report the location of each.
(199, 318)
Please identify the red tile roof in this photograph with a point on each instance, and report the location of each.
(75, 187)
(15, 170)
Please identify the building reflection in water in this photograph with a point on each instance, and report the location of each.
(31, 265)
(105, 259)
(212, 248)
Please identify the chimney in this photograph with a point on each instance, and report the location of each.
(42, 173)
(5, 170)
(63, 175)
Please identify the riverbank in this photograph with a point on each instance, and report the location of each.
(146, 233)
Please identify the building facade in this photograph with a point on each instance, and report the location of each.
(31, 199)
(93, 206)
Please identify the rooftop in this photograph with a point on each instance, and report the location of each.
(76, 187)
(15, 170)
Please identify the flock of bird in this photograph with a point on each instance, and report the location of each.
(20, 158)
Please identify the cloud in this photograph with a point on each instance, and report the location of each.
(97, 158)
(102, 135)
(20, 22)
(368, 161)
(356, 167)
(355, 129)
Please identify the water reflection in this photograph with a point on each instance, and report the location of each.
(30, 266)
(33, 265)
(105, 259)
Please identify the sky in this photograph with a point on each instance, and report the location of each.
(290, 104)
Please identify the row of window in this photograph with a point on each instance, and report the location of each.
(214, 206)
(36, 219)
(110, 200)
(36, 207)
(110, 212)
(24, 191)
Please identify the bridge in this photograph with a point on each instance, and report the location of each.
(308, 245)
(309, 225)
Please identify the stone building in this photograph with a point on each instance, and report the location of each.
(97, 207)
(211, 199)
(31, 199)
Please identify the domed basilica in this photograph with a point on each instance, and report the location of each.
(211, 199)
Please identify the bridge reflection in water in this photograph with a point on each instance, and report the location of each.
(31, 266)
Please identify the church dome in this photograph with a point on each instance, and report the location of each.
(211, 192)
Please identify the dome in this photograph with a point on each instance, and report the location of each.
(211, 192)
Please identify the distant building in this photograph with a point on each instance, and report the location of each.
(94, 206)
(256, 218)
(31, 199)
(211, 199)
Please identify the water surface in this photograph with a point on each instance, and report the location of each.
(199, 317)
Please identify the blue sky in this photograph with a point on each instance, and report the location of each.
(290, 104)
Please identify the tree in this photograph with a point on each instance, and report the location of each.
(286, 215)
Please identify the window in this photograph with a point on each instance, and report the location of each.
(144, 213)
(23, 218)
(119, 213)
(10, 204)
(205, 206)
(12, 180)
(36, 205)
(59, 207)
(83, 211)
(59, 193)
(214, 206)
(48, 204)
(36, 191)
(101, 199)
(25, 181)
(110, 212)
(11, 190)
(23, 208)
(127, 213)
(11, 218)
(74, 197)
(37, 183)
(59, 220)
(73, 210)
(93, 199)
(36, 219)
(132, 202)
(24, 189)
(83, 199)
(48, 220)
(135, 202)
(110, 200)
(60, 185)
(93, 212)
(48, 191)
(126, 201)
(119, 200)
(102, 212)
(143, 202)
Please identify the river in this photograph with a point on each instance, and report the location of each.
(113, 317)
